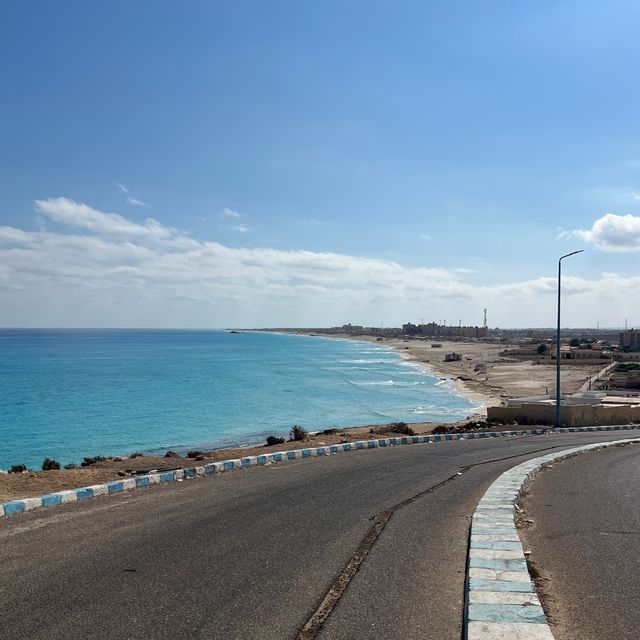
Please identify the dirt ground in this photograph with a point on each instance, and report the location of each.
(37, 483)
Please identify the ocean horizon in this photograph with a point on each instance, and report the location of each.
(70, 393)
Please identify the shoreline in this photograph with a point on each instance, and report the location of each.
(481, 375)
(258, 438)
(463, 390)
(34, 482)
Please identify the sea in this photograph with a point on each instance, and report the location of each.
(67, 394)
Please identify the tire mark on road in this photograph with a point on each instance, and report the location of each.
(313, 625)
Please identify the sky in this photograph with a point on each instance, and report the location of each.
(271, 164)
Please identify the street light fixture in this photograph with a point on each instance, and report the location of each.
(573, 253)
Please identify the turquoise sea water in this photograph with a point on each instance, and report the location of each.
(67, 394)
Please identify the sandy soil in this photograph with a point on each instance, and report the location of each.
(483, 375)
(488, 384)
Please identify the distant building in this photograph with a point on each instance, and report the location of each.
(585, 408)
(353, 329)
(434, 330)
(630, 339)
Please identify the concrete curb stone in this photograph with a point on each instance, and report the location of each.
(501, 599)
(14, 507)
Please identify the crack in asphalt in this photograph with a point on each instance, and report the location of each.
(314, 623)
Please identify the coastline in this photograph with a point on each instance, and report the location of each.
(437, 369)
(33, 482)
(481, 376)
(482, 373)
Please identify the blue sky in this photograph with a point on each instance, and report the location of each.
(469, 143)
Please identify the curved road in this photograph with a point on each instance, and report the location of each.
(585, 543)
(252, 553)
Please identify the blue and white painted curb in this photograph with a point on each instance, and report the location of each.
(501, 599)
(161, 477)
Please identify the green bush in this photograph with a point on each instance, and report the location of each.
(628, 366)
(195, 454)
(272, 440)
(50, 465)
(71, 465)
(136, 454)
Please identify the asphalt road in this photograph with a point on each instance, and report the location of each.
(585, 542)
(252, 553)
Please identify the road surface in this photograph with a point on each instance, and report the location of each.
(253, 553)
(585, 542)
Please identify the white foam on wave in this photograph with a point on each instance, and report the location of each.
(362, 361)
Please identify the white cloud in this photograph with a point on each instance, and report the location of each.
(136, 202)
(117, 272)
(77, 214)
(242, 228)
(229, 213)
(464, 270)
(611, 232)
(122, 188)
(11, 235)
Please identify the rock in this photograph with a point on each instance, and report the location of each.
(172, 454)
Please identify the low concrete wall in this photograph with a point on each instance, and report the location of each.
(570, 415)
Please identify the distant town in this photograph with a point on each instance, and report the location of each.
(614, 353)
(581, 343)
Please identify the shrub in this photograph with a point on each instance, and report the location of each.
(393, 427)
(71, 465)
(87, 462)
(298, 433)
(195, 454)
(17, 468)
(402, 427)
(137, 454)
(50, 465)
(271, 440)
(329, 432)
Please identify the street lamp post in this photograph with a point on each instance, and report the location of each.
(573, 253)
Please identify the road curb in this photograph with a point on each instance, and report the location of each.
(502, 603)
(15, 507)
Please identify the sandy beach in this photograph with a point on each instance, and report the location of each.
(482, 375)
